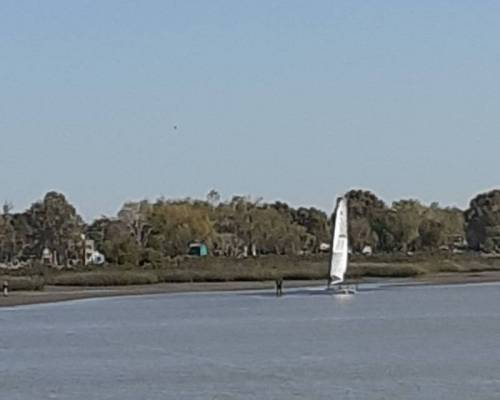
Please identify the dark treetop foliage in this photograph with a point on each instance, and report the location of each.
(151, 232)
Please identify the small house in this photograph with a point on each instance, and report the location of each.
(92, 256)
(324, 247)
(198, 249)
(367, 251)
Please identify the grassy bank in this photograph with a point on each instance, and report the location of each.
(23, 282)
(195, 270)
(259, 269)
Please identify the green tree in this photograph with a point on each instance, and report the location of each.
(365, 211)
(274, 232)
(316, 225)
(409, 216)
(135, 216)
(482, 220)
(116, 241)
(56, 225)
(176, 224)
(431, 234)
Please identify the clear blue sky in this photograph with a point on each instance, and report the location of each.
(291, 100)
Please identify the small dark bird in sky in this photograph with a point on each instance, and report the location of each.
(175, 127)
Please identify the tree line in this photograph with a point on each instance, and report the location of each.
(151, 232)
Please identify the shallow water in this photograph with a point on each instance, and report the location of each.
(428, 342)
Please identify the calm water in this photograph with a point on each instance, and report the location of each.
(394, 343)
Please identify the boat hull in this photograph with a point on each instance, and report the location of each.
(342, 291)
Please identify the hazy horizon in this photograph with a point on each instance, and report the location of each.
(293, 101)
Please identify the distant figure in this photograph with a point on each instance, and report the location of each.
(5, 288)
(279, 287)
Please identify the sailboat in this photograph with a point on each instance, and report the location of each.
(339, 251)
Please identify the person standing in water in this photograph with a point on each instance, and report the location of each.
(279, 287)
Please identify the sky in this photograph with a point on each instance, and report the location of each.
(298, 101)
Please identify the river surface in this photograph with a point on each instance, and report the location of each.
(426, 342)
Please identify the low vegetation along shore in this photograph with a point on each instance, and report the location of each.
(214, 273)
(267, 268)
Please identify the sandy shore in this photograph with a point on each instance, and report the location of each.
(52, 294)
(61, 293)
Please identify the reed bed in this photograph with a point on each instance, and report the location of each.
(23, 282)
(264, 268)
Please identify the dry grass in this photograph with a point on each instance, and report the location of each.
(23, 282)
(384, 270)
(104, 278)
(220, 269)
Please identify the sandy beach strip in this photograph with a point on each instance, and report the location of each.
(52, 294)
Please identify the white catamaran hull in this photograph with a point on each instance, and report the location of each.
(343, 291)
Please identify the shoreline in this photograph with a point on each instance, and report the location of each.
(53, 294)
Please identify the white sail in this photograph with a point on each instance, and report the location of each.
(340, 246)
